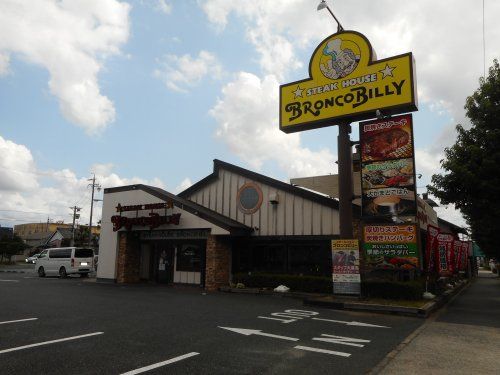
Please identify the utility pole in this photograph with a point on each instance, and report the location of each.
(94, 186)
(75, 216)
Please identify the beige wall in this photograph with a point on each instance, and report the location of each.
(293, 215)
(108, 244)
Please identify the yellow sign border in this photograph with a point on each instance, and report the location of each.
(409, 106)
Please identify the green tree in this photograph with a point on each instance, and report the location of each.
(10, 247)
(471, 178)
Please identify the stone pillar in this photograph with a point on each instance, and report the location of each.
(127, 270)
(218, 262)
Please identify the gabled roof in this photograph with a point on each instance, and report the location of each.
(234, 227)
(218, 164)
(452, 226)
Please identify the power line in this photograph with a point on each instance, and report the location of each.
(484, 47)
(26, 212)
(46, 174)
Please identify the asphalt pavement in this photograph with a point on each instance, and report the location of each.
(464, 338)
(73, 325)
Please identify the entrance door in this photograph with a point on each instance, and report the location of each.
(164, 262)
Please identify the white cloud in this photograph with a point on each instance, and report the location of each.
(16, 167)
(444, 36)
(28, 194)
(70, 39)
(163, 6)
(179, 73)
(183, 185)
(248, 125)
(4, 64)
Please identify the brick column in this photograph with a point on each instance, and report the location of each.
(127, 270)
(218, 262)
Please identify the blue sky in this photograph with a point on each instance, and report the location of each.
(153, 91)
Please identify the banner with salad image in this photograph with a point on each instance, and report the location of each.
(388, 168)
(390, 247)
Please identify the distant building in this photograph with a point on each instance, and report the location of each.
(25, 230)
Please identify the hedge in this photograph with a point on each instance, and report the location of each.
(296, 283)
(410, 290)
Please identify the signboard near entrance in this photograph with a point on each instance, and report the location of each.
(347, 83)
(345, 267)
(391, 246)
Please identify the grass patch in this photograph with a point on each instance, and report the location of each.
(396, 302)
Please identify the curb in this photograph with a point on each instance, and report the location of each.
(255, 291)
(419, 312)
(13, 271)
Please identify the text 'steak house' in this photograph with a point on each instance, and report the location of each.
(233, 220)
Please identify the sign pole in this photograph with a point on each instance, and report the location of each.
(345, 180)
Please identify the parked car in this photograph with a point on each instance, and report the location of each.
(64, 261)
(32, 259)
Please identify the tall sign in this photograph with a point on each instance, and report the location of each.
(347, 83)
(388, 168)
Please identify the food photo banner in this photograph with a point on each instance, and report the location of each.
(388, 168)
(390, 246)
(345, 267)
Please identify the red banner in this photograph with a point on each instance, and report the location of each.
(444, 254)
(457, 250)
(431, 247)
(464, 255)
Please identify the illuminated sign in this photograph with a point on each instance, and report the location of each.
(347, 83)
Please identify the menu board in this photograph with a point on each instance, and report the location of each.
(345, 267)
(388, 168)
(390, 246)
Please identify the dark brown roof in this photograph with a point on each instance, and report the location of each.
(234, 227)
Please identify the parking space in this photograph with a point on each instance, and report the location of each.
(80, 326)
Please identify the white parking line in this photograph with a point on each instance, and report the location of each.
(16, 321)
(10, 281)
(324, 351)
(49, 342)
(160, 364)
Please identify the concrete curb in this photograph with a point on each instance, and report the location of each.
(421, 312)
(343, 303)
(299, 295)
(14, 271)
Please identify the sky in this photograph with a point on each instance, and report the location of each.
(151, 91)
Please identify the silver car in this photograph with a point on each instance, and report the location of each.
(32, 259)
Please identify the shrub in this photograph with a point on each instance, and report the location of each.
(410, 290)
(296, 283)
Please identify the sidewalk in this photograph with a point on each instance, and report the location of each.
(464, 338)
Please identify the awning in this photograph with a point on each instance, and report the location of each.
(476, 251)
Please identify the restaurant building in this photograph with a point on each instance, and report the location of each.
(233, 220)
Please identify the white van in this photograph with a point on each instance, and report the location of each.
(64, 261)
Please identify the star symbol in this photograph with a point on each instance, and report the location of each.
(298, 92)
(387, 71)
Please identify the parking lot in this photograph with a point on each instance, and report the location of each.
(74, 325)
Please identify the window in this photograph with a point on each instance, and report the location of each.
(84, 253)
(43, 254)
(269, 258)
(309, 260)
(249, 198)
(60, 253)
(188, 258)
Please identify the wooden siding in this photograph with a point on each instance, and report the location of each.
(292, 216)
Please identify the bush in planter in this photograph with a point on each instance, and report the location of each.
(296, 283)
(410, 290)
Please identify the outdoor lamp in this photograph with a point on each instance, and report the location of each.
(324, 5)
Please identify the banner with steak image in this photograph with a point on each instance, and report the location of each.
(388, 168)
(386, 139)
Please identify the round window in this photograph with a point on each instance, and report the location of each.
(249, 198)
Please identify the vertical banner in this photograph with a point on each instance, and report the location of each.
(431, 248)
(345, 267)
(388, 168)
(464, 254)
(457, 250)
(445, 249)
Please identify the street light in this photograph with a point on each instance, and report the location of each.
(324, 5)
